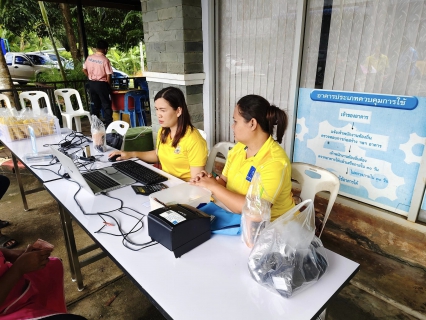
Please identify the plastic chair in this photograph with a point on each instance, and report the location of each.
(6, 100)
(203, 134)
(220, 147)
(313, 179)
(138, 97)
(119, 126)
(34, 97)
(70, 113)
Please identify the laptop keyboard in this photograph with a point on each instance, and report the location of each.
(100, 180)
(139, 172)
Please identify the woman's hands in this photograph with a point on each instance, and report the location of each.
(206, 180)
(31, 260)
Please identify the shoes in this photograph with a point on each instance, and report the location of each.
(4, 223)
(7, 242)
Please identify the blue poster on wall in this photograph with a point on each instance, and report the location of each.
(374, 143)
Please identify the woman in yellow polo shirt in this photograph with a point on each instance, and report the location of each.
(255, 151)
(180, 148)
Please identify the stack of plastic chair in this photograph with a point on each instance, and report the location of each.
(138, 111)
(70, 113)
(6, 101)
(34, 97)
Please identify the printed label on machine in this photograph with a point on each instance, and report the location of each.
(172, 216)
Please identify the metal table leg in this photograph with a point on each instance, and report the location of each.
(18, 177)
(72, 250)
(67, 245)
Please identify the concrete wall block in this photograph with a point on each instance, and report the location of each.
(193, 57)
(155, 26)
(153, 56)
(191, 46)
(194, 67)
(157, 67)
(197, 118)
(153, 37)
(156, 46)
(150, 16)
(173, 24)
(154, 5)
(194, 3)
(194, 99)
(175, 46)
(192, 23)
(191, 12)
(193, 35)
(144, 6)
(145, 26)
(169, 35)
(169, 57)
(194, 89)
(175, 68)
(167, 13)
(180, 57)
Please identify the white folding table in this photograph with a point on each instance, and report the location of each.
(211, 281)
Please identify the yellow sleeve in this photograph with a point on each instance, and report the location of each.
(274, 177)
(197, 149)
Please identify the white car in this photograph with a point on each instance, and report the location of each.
(26, 67)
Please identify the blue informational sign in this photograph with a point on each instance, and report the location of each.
(374, 147)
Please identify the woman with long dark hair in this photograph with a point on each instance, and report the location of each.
(180, 148)
(256, 151)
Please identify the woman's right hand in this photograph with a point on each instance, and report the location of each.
(123, 155)
(200, 175)
(32, 260)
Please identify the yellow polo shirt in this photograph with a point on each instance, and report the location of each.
(274, 167)
(191, 151)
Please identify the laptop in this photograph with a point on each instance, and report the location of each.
(95, 181)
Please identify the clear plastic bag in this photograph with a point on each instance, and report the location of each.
(98, 134)
(288, 257)
(256, 212)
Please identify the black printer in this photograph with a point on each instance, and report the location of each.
(179, 227)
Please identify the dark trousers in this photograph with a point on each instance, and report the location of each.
(4, 184)
(100, 94)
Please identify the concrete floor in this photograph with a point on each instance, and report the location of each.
(384, 288)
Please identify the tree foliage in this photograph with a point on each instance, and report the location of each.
(121, 28)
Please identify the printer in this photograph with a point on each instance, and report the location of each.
(179, 227)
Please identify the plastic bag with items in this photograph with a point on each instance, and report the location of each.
(288, 257)
(256, 212)
(98, 134)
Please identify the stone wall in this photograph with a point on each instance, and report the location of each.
(174, 46)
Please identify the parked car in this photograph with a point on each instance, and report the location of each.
(26, 67)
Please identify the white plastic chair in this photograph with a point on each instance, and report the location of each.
(120, 127)
(6, 100)
(203, 134)
(313, 179)
(34, 97)
(70, 113)
(220, 147)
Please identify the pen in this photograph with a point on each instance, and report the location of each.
(162, 203)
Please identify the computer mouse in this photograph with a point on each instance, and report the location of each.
(114, 158)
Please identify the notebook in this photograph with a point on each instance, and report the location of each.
(96, 181)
